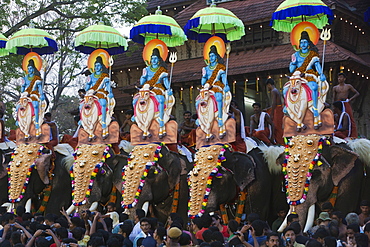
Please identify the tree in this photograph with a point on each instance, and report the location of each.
(63, 19)
(62, 117)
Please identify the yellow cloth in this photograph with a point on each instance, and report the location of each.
(83, 242)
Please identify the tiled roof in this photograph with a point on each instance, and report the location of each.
(248, 11)
(268, 59)
(131, 58)
(152, 4)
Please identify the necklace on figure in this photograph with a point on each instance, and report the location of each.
(303, 54)
(153, 69)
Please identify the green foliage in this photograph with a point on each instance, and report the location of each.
(62, 116)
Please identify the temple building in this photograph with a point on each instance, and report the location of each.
(262, 53)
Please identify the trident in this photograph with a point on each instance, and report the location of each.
(325, 36)
(172, 59)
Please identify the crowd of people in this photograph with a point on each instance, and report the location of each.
(95, 229)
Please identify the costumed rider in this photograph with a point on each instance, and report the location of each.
(156, 77)
(261, 125)
(215, 76)
(32, 88)
(307, 62)
(99, 84)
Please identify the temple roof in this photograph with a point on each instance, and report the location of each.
(152, 4)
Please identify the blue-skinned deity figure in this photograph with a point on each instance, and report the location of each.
(100, 83)
(307, 61)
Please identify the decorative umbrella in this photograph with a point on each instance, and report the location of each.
(367, 16)
(100, 36)
(160, 27)
(291, 12)
(31, 40)
(212, 21)
(3, 41)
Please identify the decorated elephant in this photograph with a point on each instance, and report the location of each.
(316, 170)
(155, 179)
(220, 174)
(95, 171)
(34, 180)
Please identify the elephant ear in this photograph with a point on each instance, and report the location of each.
(244, 169)
(43, 166)
(343, 162)
(119, 162)
(171, 162)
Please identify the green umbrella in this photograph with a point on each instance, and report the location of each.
(214, 21)
(160, 27)
(291, 12)
(3, 41)
(31, 39)
(100, 36)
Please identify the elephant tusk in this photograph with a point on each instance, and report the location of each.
(284, 224)
(8, 206)
(70, 209)
(310, 218)
(94, 206)
(145, 207)
(28, 206)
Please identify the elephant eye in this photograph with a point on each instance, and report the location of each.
(309, 143)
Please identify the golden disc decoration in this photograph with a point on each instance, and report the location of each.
(92, 58)
(310, 28)
(148, 50)
(216, 41)
(36, 59)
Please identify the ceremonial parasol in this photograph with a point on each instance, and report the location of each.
(100, 36)
(291, 12)
(160, 27)
(367, 16)
(31, 40)
(3, 40)
(212, 21)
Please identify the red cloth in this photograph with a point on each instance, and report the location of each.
(225, 232)
(199, 233)
(341, 134)
(189, 139)
(239, 144)
(263, 135)
(278, 124)
(354, 132)
(51, 144)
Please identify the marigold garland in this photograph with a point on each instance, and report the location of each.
(214, 172)
(314, 162)
(39, 152)
(98, 166)
(149, 164)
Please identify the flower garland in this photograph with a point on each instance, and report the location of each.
(39, 152)
(149, 164)
(214, 172)
(315, 161)
(98, 166)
